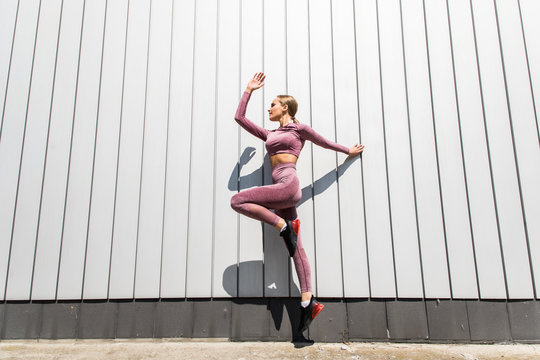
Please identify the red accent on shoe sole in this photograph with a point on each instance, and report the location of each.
(296, 226)
(316, 310)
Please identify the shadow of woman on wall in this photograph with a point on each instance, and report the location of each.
(247, 274)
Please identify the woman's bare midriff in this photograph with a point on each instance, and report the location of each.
(282, 158)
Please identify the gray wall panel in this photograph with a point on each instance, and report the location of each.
(531, 33)
(378, 233)
(351, 204)
(11, 140)
(398, 152)
(424, 156)
(147, 272)
(449, 151)
(173, 264)
(72, 257)
(53, 211)
(505, 176)
(326, 207)
(225, 249)
(126, 214)
(523, 122)
(37, 126)
(476, 156)
(100, 225)
(201, 202)
(43, 261)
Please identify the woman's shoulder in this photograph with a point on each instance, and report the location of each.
(302, 126)
(292, 126)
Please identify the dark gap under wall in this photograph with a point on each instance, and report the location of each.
(275, 319)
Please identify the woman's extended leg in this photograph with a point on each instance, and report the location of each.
(310, 307)
(301, 262)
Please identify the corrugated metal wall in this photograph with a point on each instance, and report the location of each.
(119, 152)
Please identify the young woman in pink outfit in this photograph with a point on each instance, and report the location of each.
(283, 146)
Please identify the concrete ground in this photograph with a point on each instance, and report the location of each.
(182, 349)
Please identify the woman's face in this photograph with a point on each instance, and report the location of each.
(276, 110)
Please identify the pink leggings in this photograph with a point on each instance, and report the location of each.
(282, 196)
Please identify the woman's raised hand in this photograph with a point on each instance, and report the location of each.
(356, 149)
(256, 82)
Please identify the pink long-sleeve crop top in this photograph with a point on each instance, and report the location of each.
(288, 139)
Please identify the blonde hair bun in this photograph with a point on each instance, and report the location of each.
(292, 105)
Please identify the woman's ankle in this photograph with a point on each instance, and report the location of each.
(306, 296)
(280, 224)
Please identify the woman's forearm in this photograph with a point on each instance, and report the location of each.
(245, 123)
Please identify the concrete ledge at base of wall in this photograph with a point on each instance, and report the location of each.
(276, 319)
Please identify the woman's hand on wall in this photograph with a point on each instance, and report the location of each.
(356, 150)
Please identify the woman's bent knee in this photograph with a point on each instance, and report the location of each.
(236, 202)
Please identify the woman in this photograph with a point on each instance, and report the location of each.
(283, 146)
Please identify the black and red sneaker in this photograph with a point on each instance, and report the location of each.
(290, 235)
(309, 313)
